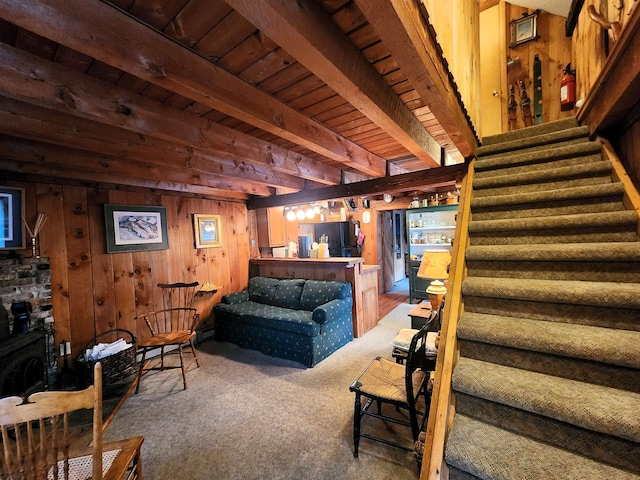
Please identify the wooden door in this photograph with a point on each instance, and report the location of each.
(491, 53)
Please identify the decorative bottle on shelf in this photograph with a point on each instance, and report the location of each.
(420, 224)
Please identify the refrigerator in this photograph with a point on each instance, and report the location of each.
(342, 237)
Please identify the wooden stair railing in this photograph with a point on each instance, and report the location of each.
(442, 401)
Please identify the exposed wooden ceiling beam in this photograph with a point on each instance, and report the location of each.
(80, 25)
(29, 157)
(34, 80)
(306, 31)
(432, 177)
(412, 43)
(36, 123)
(486, 4)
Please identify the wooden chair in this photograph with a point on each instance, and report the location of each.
(171, 329)
(400, 385)
(36, 438)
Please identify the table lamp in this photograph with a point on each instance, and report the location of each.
(434, 265)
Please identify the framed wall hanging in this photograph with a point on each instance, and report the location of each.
(207, 230)
(11, 214)
(524, 29)
(132, 228)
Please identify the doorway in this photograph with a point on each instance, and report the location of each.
(399, 246)
(391, 248)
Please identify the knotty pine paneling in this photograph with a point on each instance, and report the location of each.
(457, 25)
(93, 291)
(554, 50)
(589, 53)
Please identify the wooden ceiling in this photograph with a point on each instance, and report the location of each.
(239, 99)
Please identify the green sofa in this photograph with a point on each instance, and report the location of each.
(301, 320)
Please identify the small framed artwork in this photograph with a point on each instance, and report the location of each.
(524, 29)
(11, 214)
(133, 228)
(207, 230)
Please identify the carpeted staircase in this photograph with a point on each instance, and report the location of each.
(548, 382)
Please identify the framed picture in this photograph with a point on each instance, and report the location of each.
(132, 228)
(207, 230)
(524, 29)
(11, 213)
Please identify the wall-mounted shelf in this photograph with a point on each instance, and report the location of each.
(209, 288)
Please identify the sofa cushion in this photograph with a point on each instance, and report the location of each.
(270, 316)
(280, 293)
(261, 289)
(287, 293)
(319, 292)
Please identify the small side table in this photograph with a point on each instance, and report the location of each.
(420, 315)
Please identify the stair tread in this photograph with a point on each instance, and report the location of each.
(536, 177)
(536, 130)
(605, 345)
(487, 451)
(589, 252)
(608, 294)
(542, 155)
(597, 408)
(608, 189)
(576, 220)
(534, 140)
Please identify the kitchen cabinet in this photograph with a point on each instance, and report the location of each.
(428, 229)
(272, 231)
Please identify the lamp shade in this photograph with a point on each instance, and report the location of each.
(434, 264)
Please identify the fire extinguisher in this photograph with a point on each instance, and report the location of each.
(568, 89)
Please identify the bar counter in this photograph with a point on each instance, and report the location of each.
(363, 279)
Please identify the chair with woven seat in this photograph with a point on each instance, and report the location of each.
(171, 329)
(37, 438)
(384, 381)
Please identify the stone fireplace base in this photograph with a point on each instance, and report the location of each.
(27, 356)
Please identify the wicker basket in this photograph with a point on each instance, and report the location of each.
(114, 367)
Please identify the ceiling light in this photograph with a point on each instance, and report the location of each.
(310, 213)
(291, 215)
(300, 215)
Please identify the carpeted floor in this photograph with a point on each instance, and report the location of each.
(249, 416)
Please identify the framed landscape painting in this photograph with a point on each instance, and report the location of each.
(132, 228)
(207, 230)
(11, 213)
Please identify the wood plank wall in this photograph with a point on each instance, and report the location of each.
(93, 291)
(590, 57)
(554, 51)
(589, 54)
(457, 25)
